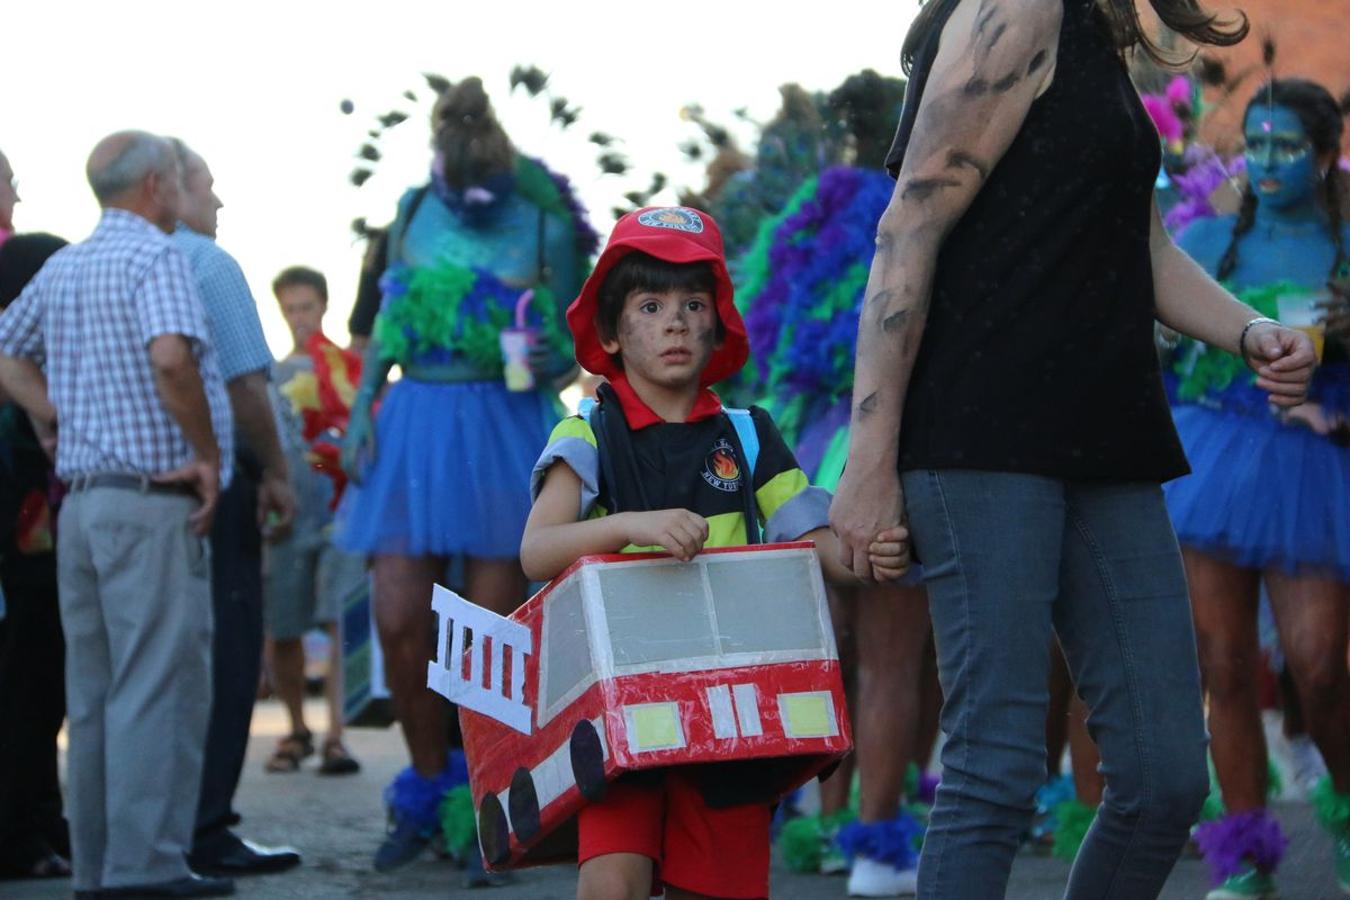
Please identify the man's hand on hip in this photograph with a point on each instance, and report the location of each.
(203, 476)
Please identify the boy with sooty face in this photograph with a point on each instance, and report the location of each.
(658, 465)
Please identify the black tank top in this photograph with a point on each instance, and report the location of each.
(1038, 354)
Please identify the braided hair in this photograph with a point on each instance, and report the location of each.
(1323, 118)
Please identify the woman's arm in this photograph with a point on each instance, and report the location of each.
(554, 539)
(358, 445)
(995, 58)
(1191, 302)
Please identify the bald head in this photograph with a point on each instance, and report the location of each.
(136, 171)
(122, 161)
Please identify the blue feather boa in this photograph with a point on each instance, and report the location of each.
(895, 841)
(803, 323)
(414, 798)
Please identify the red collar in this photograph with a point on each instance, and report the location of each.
(640, 415)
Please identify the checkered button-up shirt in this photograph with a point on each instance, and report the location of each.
(91, 313)
(231, 311)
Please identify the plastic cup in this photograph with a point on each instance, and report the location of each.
(516, 344)
(1300, 312)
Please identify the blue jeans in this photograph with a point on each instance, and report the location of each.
(1009, 561)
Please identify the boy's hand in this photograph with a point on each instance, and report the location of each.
(681, 532)
(889, 554)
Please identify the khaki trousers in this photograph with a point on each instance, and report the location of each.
(136, 607)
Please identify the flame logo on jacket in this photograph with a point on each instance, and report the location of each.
(720, 468)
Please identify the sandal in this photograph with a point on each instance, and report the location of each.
(290, 751)
(336, 759)
(46, 864)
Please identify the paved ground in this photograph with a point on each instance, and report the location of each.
(337, 823)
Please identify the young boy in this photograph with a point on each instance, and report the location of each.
(657, 465)
(306, 576)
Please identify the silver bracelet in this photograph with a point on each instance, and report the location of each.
(1242, 338)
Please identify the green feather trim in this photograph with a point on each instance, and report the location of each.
(752, 270)
(458, 823)
(802, 840)
(1213, 809)
(832, 465)
(427, 317)
(1274, 780)
(1333, 809)
(537, 186)
(801, 844)
(1072, 821)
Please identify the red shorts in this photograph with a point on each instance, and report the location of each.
(718, 852)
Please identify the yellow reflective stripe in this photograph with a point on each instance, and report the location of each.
(573, 426)
(779, 490)
(724, 530)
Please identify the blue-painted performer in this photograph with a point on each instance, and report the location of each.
(1268, 499)
(442, 470)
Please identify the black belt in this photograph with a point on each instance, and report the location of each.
(129, 482)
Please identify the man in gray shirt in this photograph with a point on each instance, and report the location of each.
(261, 490)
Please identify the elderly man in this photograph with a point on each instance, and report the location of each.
(261, 486)
(134, 394)
(9, 195)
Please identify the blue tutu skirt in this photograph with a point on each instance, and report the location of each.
(451, 473)
(1262, 494)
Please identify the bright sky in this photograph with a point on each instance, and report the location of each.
(256, 87)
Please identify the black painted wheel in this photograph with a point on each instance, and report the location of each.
(588, 761)
(494, 832)
(524, 803)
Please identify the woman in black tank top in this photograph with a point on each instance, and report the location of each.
(1009, 407)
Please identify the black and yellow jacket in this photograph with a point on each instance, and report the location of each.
(695, 465)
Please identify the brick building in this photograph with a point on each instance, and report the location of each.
(1312, 40)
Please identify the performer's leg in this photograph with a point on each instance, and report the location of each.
(1088, 782)
(834, 790)
(1224, 602)
(1313, 616)
(893, 627)
(1057, 719)
(497, 584)
(407, 629)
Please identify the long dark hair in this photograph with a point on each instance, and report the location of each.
(1324, 120)
(469, 136)
(1186, 17)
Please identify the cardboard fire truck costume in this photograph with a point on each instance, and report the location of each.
(635, 661)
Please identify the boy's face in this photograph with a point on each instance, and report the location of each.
(665, 337)
(303, 310)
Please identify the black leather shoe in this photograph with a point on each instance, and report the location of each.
(191, 886)
(236, 856)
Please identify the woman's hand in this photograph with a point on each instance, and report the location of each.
(680, 532)
(1283, 360)
(869, 509)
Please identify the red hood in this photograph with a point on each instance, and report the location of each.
(675, 234)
